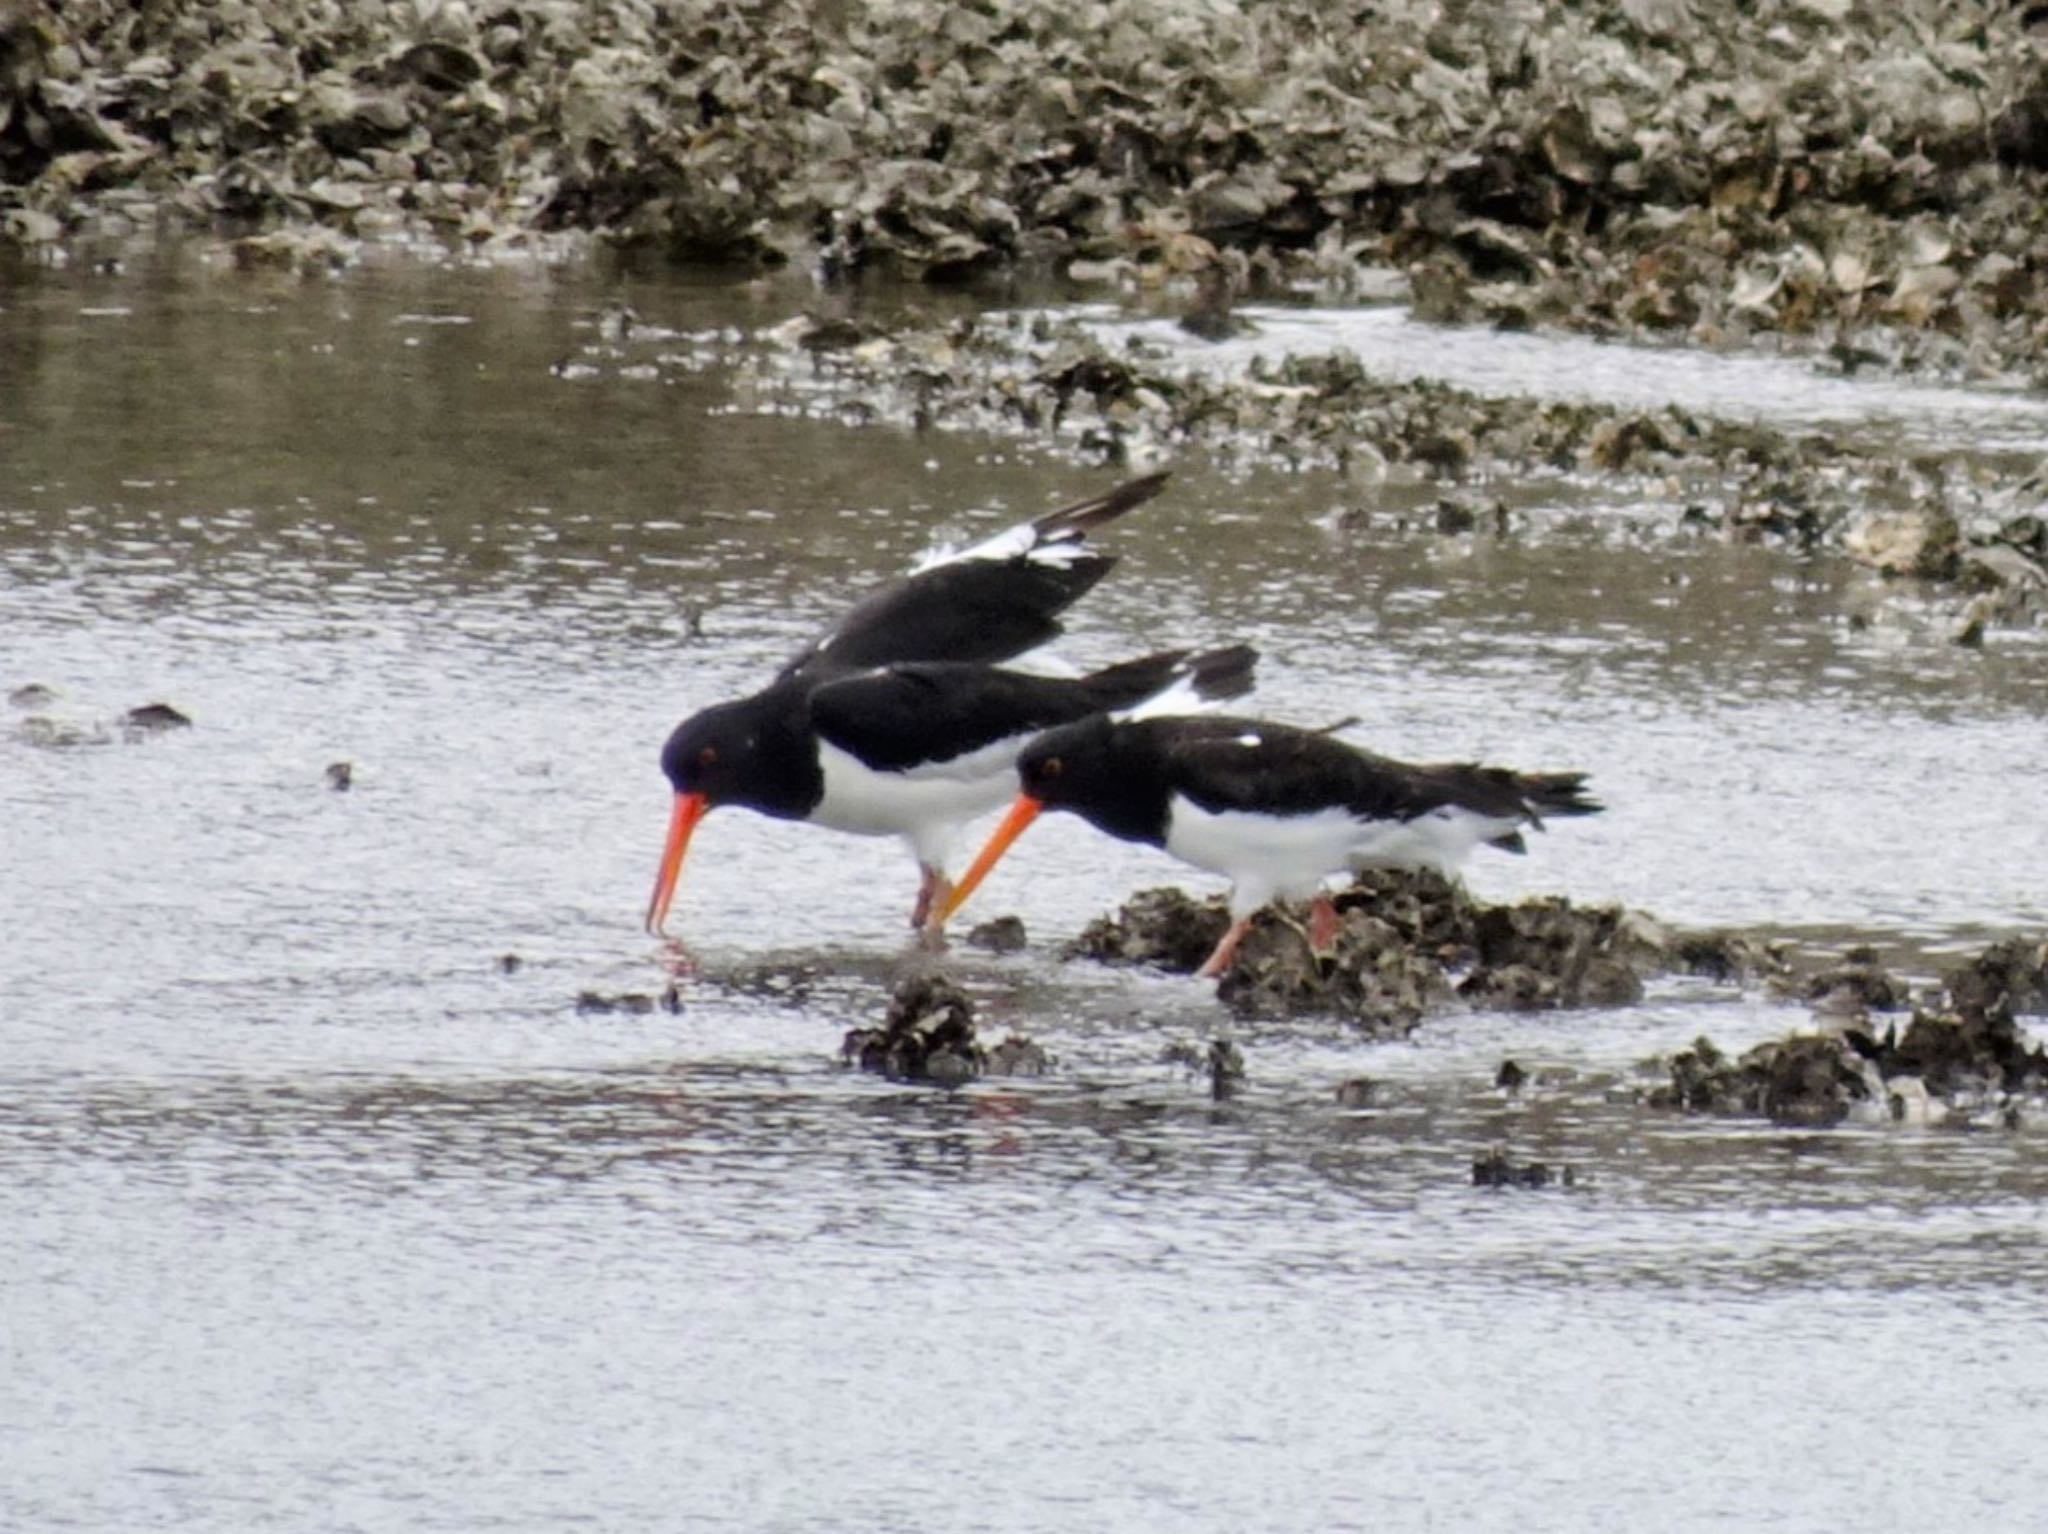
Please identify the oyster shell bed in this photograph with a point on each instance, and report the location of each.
(1411, 945)
(1814, 168)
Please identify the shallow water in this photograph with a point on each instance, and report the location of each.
(321, 1214)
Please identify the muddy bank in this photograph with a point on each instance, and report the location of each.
(1861, 178)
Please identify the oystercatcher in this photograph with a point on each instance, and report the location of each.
(1273, 808)
(978, 605)
(913, 750)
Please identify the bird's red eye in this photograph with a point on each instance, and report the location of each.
(708, 757)
(1051, 767)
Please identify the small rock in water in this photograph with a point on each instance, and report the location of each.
(340, 776)
(1221, 1061)
(1358, 1092)
(1005, 934)
(1018, 1056)
(508, 963)
(1924, 542)
(1510, 1076)
(153, 719)
(1496, 1169)
(928, 1035)
(32, 695)
(634, 1002)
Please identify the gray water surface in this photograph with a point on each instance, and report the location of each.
(321, 1214)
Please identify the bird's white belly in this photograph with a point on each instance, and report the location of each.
(926, 805)
(1288, 856)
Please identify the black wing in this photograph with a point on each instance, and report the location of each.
(975, 607)
(1249, 764)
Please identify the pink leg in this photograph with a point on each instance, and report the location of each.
(1322, 926)
(939, 890)
(1219, 960)
(934, 889)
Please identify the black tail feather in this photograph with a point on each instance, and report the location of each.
(1216, 674)
(1223, 673)
(1555, 793)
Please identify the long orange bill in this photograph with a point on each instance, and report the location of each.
(1022, 813)
(682, 821)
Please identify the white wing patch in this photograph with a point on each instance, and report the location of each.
(1177, 697)
(1020, 542)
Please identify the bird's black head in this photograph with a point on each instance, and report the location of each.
(1059, 767)
(1096, 767)
(754, 752)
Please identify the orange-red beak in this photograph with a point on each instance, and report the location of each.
(682, 821)
(1022, 813)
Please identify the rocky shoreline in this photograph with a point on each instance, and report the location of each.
(1842, 176)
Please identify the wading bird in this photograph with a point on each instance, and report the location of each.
(896, 722)
(1273, 808)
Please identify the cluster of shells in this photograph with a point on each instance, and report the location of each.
(1865, 174)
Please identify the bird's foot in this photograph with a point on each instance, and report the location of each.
(1318, 934)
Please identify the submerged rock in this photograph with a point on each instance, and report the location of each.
(1497, 1169)
(1018, 1056)
(153, 719)
(1220, 1060)
(598, 1003)
(1005, 934)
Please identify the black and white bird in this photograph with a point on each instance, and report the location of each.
(1273, 808)
(914, 750)
(896, 722)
